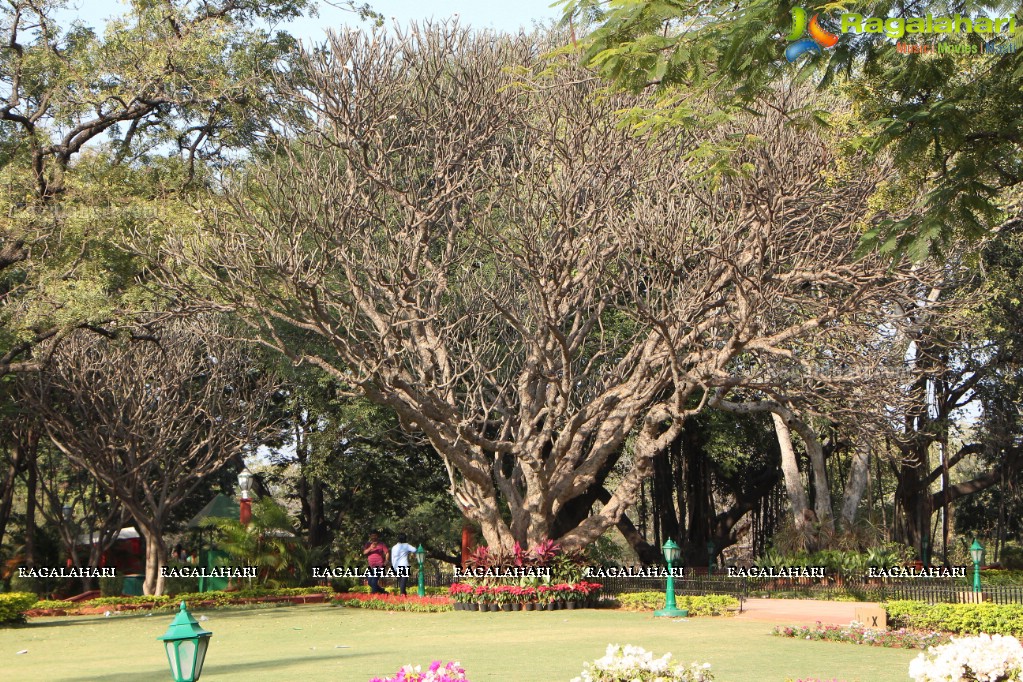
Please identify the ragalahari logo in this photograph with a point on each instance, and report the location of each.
(819, 38)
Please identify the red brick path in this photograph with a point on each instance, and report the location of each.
(801, 611)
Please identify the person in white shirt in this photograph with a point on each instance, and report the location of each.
(400, 554)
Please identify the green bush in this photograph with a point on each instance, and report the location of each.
(13, 606)
(111, 587)
(55, 604)
(153, 599)
(706, 605)
(1011, 556)
(180, 585)
(993, 619)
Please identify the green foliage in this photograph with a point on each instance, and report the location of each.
(14, 604)
(950, 121)
(111, 587)
(214, 598)
(1001, 619)
(267, 542)
(838, 562)
(705, 605)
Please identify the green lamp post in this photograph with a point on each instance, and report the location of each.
(186, 645)
(977, 554)
(925, 551)
(710, 557)
(671, 555)
(420, 557)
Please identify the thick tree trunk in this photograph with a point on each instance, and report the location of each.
(156, 559)
(821, 489)
(14, 468)
(855, 485)
(664, 498)
(912, 500)
(30, 514)
(699, 508)
(802, 517)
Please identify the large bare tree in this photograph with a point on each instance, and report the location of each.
(467, 233)
(149, 420)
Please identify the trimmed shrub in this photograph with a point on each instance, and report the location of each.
(111, 587)
(706, 605)
(13, 606)
(994, 619)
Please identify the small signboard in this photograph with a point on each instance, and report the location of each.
(873, 617)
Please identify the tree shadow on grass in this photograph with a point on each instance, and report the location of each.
(212, 670)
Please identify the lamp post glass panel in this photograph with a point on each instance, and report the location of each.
(420, 557)
(186, 645)
(245, 501)
(977, 554)
(671, 555)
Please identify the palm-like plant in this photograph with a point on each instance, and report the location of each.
(267, 542)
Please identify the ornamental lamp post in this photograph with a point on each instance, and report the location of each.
(420, 557)
(186, 645)
(245, 499)
(925, 545)
(710, 557)
(977, 554)
(671, 555)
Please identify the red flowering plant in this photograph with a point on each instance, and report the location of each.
(482, 595)
(461, 592)
(505, 594)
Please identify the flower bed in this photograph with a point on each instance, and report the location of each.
(631, 663)
(857, 634)
(467, 596)
(437, 672)
(393, 602)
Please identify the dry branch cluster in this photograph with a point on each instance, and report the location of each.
(150, 420)
(466, 233)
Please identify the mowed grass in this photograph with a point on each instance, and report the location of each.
(308, 643)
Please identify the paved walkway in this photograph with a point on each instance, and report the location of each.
(801, 611)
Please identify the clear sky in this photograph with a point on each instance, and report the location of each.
(504, 16)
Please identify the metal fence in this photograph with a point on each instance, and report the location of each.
(931, 590)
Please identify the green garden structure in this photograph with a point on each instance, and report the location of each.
(977, 554)
(420, 556)
(671, 555)
(186, 645)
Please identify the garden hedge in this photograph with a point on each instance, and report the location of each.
(14, 604)
(707, 605)
(993, 619)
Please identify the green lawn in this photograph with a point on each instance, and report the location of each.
(307, 643)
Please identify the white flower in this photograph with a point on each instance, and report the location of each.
(983, 658)
(634, 664)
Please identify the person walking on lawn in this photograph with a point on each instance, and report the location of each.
(399, 561)
(376, 556)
